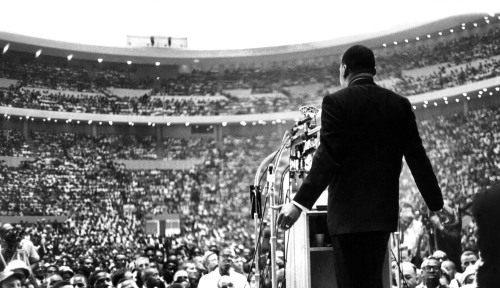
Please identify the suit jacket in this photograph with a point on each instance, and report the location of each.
(365, 132)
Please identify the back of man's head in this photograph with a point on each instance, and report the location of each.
(359, 59)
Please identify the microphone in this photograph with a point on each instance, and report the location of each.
(303, 121)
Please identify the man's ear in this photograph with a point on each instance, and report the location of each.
(346, 73)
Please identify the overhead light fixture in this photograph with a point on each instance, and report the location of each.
(5, 48)
(38, 53)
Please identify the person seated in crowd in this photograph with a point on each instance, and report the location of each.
(410, 275)
(225, 269)
(193, 274)
(121, 261)
(120, 274)
(449, 268)
(63, 284)
(210, 262)
(141, 263)
(431, 274)
(88, 267)
(79, 281)
(126, 283)
(150, 273)
(468, 257)
(19, 266)
(52, 279)
(159, 260)
(469, 277)
(180, 276)
(153, 282)
(11, 279)
(66, 273)
(440, 256)
(100, 279)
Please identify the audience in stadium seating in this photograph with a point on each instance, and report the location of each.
(449, 63)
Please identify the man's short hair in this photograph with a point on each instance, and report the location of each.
(468, 252)
(359, 59)
(60, 284)
(93, 277)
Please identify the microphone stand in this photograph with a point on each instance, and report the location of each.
(257, 215)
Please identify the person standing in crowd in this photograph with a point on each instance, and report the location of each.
(487, 214)
(412, 231)
(212, 279)
(365, 132)
(13, 239)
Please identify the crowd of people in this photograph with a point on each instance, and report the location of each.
(76, 176)
(468, 58)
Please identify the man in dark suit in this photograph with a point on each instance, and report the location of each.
(365, 132)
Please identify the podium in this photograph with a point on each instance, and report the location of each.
(310, 254)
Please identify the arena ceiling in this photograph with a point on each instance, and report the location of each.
(225, 24)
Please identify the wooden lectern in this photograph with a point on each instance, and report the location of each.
(310, 256)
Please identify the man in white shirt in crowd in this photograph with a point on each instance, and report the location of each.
(212, 279)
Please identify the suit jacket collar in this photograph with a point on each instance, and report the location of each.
(361, 79)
